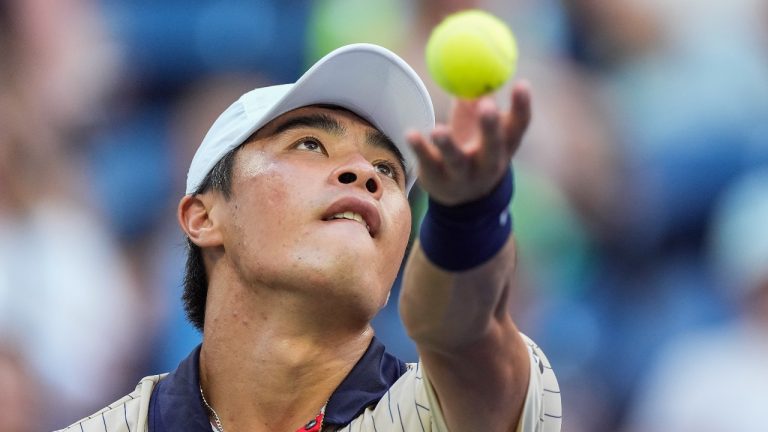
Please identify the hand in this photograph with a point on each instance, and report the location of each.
(464, 160)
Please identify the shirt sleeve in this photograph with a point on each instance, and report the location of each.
(128, 414)
(542, 411)
(412, 405)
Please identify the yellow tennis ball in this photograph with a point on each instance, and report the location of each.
(471, 53)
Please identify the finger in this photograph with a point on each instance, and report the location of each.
(492, 146)
(520, 115)
(430, 160)
(464, 119)
(453, 157)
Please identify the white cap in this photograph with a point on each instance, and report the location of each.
(366, 79)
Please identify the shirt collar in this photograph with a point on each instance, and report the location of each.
(367, 382)
(176, 403)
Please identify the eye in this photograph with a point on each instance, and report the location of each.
(310, 144)
(386, 168)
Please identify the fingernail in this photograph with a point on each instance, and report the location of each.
(486, 104)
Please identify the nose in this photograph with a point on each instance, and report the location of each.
(359, 172)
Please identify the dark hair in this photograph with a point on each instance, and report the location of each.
(219, 179)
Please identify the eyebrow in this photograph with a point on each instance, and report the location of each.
(320, 121)
(332, 126)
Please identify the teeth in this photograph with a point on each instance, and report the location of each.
(351, 216)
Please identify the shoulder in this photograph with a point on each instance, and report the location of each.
(404, 407)
(411, 404)
(127, 414)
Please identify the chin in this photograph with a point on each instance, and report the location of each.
(344, 282)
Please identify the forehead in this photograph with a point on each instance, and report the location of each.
(336, 112)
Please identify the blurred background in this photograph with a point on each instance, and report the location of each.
(640, 210)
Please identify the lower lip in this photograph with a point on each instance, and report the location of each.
(353, 222)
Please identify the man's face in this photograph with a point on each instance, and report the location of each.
(318, 206)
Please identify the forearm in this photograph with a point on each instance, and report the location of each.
(445, 310)
(470, 347)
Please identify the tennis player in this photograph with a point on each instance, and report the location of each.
(297, 218)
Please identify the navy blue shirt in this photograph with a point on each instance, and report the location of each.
(176, 403)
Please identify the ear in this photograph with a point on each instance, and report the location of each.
(196, 220)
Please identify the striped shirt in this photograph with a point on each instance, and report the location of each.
(404, 401)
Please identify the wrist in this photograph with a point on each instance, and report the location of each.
(457, 238)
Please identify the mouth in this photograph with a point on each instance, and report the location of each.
(355, 209)
(357, 217)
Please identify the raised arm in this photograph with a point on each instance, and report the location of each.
(458, 278)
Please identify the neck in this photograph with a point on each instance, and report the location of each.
(263, 353)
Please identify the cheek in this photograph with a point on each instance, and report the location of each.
(266, 201)
(401, 224)
(269, 221)
(405, 225)
(272, 185)
(258, 164)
